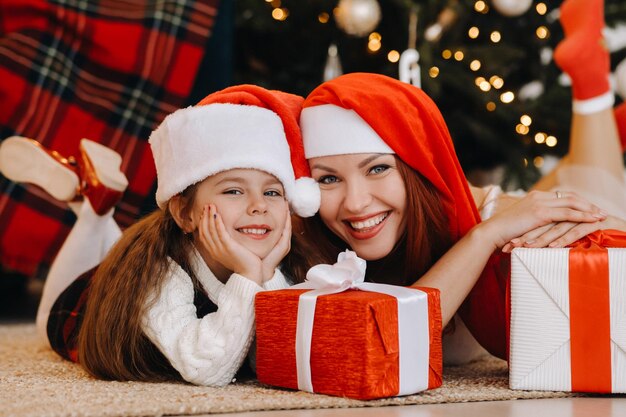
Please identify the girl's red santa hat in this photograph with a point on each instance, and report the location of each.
(244, 126)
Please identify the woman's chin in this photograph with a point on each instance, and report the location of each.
(371, 254)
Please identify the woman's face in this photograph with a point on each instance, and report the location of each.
(363, 201)
(252, 206)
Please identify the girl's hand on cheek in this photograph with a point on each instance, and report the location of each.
(278, 252)
(225, 250)
(540, 212)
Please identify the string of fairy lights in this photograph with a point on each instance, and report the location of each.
(525, 121)
(485, 83)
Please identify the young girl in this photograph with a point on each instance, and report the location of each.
(393, 190)
(173, 298)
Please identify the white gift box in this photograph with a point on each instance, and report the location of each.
(540, 342)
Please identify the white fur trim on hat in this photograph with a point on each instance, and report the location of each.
(332, 130)
(196, 142)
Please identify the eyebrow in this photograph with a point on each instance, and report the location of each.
(230, 179)
(366, 161)
(241, 180)
(361, 164)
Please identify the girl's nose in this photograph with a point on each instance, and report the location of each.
(257, 205)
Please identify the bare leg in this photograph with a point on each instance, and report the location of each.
(550, 180)
(594, 141)
(594, 137)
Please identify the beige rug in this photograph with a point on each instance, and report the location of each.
(34, 381)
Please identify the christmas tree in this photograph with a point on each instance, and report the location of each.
(487, 64)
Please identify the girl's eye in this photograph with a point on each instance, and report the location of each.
(233, 192)
(328, 179)
(379, 169)
(272, 193)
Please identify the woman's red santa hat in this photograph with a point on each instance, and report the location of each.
(244, 126)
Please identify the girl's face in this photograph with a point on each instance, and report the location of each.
(251, 203)
(363, 201)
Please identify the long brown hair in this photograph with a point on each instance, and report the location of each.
(111, 343)
(425, 239)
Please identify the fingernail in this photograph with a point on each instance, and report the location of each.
(516, 240)
(599, 216)
(530, 242)
(552, 244)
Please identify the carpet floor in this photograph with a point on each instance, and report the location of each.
(34, 381)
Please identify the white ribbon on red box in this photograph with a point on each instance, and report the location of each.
(413, 322)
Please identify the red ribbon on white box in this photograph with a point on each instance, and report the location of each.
(590, 316)
(413, 322)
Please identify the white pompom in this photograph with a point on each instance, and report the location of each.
(305, 198)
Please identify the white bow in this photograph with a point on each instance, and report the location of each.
(346, 273)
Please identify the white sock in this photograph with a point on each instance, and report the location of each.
(86, 245)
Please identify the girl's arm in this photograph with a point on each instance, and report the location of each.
(206, 351)
(458, 270)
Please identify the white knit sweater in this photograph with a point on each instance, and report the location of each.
(210, 350)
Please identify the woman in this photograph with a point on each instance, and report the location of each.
(393, 190)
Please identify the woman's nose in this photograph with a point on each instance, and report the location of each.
(357, 198)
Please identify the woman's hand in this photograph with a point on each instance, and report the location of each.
(559, 235)
(225, 250)
(539, 210)
(278, 252)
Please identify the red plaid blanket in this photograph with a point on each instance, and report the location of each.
(106, 70)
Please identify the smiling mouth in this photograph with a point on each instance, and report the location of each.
(254, 231)
(364, 226)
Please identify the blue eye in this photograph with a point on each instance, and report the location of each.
(328, 179)
(272, 193)
(379, 169)
(233, 192)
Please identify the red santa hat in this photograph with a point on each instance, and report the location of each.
(244, 126)
(371, 113)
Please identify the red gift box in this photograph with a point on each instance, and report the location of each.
(355, 347)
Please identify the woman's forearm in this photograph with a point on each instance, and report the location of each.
(458, 270)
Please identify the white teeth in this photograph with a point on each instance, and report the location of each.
(371, 222)
(254, 231)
